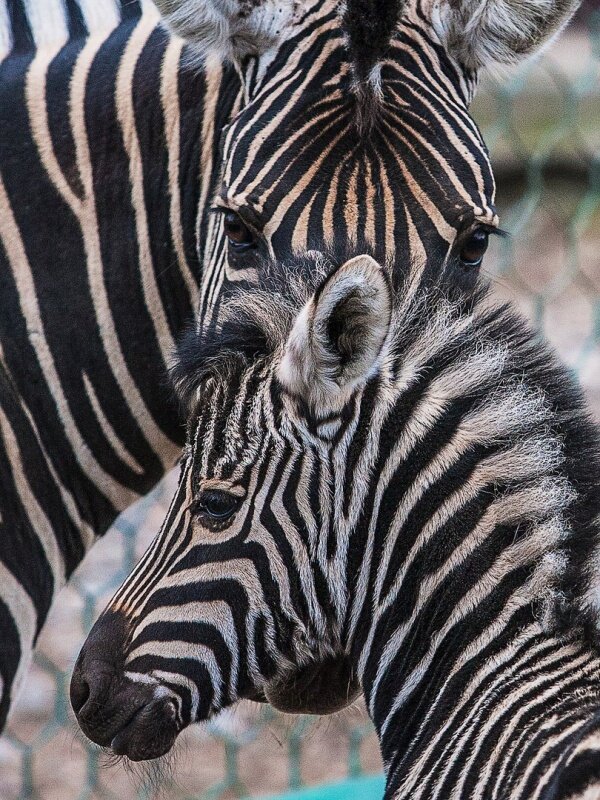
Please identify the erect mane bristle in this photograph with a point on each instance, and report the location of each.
(369, 26)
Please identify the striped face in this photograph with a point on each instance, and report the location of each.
(229, 587)
(302, 169)
(363, 462)
(241, 594)
(234, 598)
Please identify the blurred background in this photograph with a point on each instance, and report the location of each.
(542, 125)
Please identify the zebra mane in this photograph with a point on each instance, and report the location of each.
(369, 26)
(255, 322)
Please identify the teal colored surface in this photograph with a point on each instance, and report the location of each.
(359, 789)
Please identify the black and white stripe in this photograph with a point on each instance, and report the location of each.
(114, 145)
(391, 488)
(105, 146)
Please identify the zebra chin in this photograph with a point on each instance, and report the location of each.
(135, 715)
(319, 688)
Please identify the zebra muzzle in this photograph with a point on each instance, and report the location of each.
(132, 718)
(150, 733)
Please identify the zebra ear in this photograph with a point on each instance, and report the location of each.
(228, 29)
(337, 340)
(480, 34)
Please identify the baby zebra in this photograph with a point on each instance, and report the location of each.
(386, 488)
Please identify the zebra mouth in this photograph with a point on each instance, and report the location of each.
(131, 722)
(320, 688)
(134, 719)
(149, 734)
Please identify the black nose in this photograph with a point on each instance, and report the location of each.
(100, 660)
(138, 720)
(80, 690)
(94, 684)
(96, 674)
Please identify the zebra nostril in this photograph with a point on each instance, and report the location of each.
(99, 662)
(79, 691)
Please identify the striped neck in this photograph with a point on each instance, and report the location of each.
(497, 715)
(482, 507)
(457, 607)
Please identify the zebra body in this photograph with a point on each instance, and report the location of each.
(114, 148)
(391, 488)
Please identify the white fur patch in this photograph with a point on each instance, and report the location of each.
(311, 365)
(100, 15)
(48, 22)
(5, 31)
(480, 33)
(229, 29)
(140, 677)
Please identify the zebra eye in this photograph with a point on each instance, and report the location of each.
(473, 249)
(239, 235)
(215, 505)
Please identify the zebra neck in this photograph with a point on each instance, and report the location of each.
(493, 720)
(482, 528)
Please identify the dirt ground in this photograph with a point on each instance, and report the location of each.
(551, 269)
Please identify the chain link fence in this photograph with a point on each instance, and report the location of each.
(542, 124)
(543, 129)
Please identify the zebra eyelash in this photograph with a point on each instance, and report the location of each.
(245, 215)
(227, 210)
(496, 231)
(491, 230)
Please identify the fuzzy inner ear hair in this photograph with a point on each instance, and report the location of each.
(228, 29)
(337, 339)
(480, 34)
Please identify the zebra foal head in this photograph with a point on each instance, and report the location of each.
(353, 125)
(372, 468)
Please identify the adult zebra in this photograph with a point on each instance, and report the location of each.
(352, 127)
(391, 488)
(103, 160)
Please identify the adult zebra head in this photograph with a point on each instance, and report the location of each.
(354, 125)
(391, 487)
